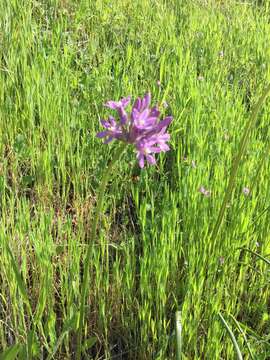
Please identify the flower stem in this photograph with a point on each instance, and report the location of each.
(98, 210)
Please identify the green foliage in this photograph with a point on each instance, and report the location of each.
(11, 353)
(60, 60)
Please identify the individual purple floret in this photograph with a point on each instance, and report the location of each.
(141, 127)
(118, 104)
(203, 191)
(113, 130)
(120, 107)
(246, 191)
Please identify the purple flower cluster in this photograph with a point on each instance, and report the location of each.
(140, 127)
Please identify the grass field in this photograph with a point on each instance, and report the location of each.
(154, 254)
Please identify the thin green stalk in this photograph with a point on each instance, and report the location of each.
(237, 160)
(178, 332)
(244, 336)
(98, 210)
(258, 255)
(23, 291)
(20, 281)
(236, 346)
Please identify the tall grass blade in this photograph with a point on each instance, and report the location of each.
(19, 280)
(11, 353)
(69, 326)
(258, 255)
(244, 336)
(236, 347)
(237, 160)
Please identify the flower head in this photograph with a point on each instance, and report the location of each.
(140, 127)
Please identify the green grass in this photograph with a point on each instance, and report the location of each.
(60, 61)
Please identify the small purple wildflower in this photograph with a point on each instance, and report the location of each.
(221, 260)
(118, 104)
(226, 136)
(141, 127)
(221, 54)
(158, 83)
(246, 191)
(165, 104)
(204, 192)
